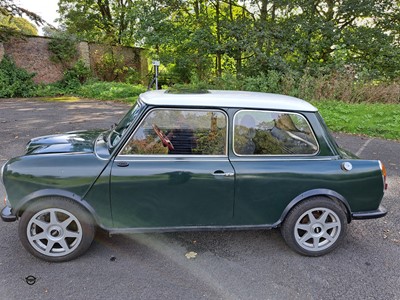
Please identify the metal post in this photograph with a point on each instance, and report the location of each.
(156, 67)
(156, 64)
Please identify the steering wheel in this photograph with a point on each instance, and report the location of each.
(166, 142)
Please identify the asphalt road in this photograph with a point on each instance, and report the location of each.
(228, 265)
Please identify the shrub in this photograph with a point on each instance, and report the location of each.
(63, 47)
(111, 91)
(75, 77)
(50, 90)
(111, 66)
(340, 85)
(14, 81)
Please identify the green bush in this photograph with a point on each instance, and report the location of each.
(91, 89)
(110, 91)
(341, 85)
(63, 47)
(111, 66)
(75, 77)
(50, 90)
(14, 81)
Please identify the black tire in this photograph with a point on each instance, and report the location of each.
(56, 229)
(315, 226)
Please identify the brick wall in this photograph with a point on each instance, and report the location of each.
(32, 54)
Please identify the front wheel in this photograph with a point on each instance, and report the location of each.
(56, 229)
(315, 227)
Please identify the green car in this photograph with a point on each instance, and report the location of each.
(213, 160)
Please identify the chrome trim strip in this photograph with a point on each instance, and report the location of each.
(168, 159)
(2, 172)
(274, 158)
(189, 228)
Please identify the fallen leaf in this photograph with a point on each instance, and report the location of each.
(191, 255)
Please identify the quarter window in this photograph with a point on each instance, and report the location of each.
(182, 132)
(273, 133)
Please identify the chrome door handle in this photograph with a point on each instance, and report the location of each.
(222, 173)
(122, 164)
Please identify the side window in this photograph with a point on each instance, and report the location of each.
(178, 131)
(272, 133)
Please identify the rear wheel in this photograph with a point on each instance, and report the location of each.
(315, 227)
(56, 229)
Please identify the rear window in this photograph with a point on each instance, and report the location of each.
(272, 133)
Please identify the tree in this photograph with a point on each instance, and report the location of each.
(98, 20)
(18, 24)
(203, 37)
(11, 23)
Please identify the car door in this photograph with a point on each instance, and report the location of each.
(174, 171)
(275, 159)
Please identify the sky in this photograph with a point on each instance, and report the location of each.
(47, 9)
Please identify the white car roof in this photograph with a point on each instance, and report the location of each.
(236, 99)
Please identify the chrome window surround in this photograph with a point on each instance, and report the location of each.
(272, 155)
(177, 155)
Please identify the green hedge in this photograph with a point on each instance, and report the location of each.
(14, 81)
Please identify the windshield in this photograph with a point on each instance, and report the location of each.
(117, 131)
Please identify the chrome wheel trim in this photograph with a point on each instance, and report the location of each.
(54, 232)
(317, 229)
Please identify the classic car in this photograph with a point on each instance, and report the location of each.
(213, 160)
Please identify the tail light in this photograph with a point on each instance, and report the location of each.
(384, 174)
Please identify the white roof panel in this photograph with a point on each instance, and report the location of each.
(237, 99)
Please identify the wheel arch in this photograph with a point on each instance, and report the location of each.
(321, 193)
(48, 193)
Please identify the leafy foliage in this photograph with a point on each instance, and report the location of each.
(335, 86)
(244, 38)
(111, 66)
(76, 76)
(8, 10)
(98, 21)
(71, 83)
(17, 25)
(63, 47)
(110, 91)
(15, 82)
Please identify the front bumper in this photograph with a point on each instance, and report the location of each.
(7, 215)
(373, 214)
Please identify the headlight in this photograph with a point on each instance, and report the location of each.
(384, 175)
(6, 202)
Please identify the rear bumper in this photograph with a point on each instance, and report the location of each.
(7, 215)
(373, 214)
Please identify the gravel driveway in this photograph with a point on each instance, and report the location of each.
(229, 265)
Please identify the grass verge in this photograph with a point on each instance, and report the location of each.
(371, 119)
(115, 91)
